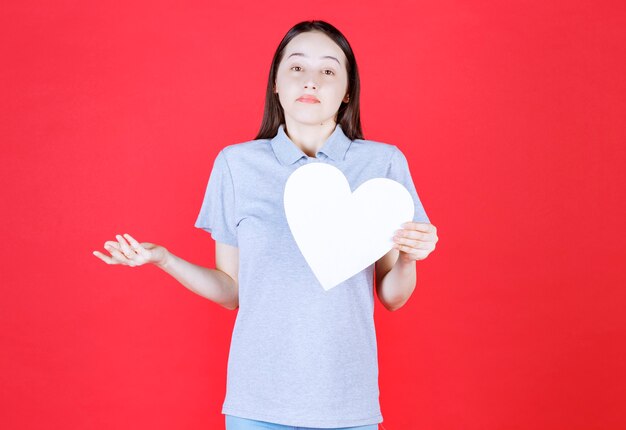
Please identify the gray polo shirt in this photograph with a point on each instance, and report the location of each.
(299, 355)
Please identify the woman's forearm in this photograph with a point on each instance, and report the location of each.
(213, 284)
(398, 285)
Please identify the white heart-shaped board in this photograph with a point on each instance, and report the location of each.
(341, 232)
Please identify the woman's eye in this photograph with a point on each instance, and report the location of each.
(326, 71)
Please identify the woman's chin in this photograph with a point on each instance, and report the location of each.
(311, 120)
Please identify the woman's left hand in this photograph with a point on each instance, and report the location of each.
(415, 241)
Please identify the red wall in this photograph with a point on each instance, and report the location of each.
(511, 115)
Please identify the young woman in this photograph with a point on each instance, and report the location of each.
(300, 355)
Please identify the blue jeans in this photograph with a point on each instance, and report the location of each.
(237, 423)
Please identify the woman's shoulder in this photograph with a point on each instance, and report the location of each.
(374, 147)
(247, 147)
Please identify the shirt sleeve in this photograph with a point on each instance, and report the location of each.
(399, 171)
(217, 214)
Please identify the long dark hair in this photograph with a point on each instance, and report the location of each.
(349, 114)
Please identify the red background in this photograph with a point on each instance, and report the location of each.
(511, 115)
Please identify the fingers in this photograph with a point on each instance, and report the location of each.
(125, 247)
(417, 254)
(419, 226)
(137, 246)
(121, 252)
(411, 234)
(404, 243)
(118, 256)
(105, 258)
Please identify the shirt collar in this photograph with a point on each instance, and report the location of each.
(287, 152)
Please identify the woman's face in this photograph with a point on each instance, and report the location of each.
(312, 65)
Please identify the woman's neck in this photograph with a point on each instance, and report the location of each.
(309, 138)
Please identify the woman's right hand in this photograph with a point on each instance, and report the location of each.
(132, 253)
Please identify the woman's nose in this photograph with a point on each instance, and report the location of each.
(309, 82)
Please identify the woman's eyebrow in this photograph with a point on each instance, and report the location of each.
(325, 56)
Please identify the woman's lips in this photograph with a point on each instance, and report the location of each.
(308, 99)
